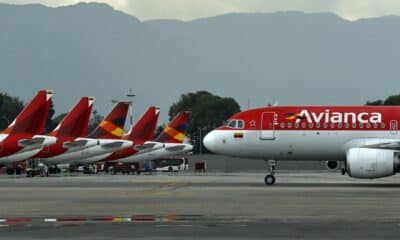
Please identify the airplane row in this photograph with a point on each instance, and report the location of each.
(69, 143)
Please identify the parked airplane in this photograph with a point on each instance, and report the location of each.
(23, 139)
(365, 138)
(71, 131)
(168, 143)
(108, 137)
(141, 132)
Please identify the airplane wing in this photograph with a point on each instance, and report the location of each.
(384, 145)
(75, 144)
(34, 142)
(175, 148)
(377, 143)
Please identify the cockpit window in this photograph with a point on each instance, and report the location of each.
(237, 124)
(240, 124)
(232, 124)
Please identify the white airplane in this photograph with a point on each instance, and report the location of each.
(364, 138)
(23, 138)
(107, 137)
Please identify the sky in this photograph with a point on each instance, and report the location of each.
(193, 9)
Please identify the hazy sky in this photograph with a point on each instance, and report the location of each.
(191, 9)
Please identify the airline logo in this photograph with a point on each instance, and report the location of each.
(111, 128)
(178, 136)
(335, 117)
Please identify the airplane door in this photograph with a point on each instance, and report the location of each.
(268, 120)
(1, 146)
(393, 127)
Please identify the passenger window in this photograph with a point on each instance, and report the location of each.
(303, 125)
(310, 125)
(325, 125)
(368, 125)
(289, 125)
(346, 125)
(296, 125)
(282, 125)
(332, 125)
(361, 125)
(318, 125)
(375, 125)
(339, 125)
(383, 125)
(353, 125)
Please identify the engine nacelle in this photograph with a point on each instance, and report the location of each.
(372, 163)
(332, 165)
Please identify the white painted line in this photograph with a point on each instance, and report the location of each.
(50, 220)
(3, 220)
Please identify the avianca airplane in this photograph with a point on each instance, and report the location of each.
(168, 143)
(141, 132)
(107, 135)
(23, 139)
(365, 138)
(71, 131)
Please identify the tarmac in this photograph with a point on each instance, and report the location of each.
(301, 205)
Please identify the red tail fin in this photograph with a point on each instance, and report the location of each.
(112, 127)
(175, 132)
(32, 119)
(146, 126)
(76, 122)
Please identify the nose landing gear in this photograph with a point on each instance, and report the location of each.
(270, 178)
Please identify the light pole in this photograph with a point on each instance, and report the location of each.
(131, 95)
(201, 142)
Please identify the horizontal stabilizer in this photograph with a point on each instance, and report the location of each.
(75, 144)
(31, 142)
(145, 146)
(112, 145)
(175, 148)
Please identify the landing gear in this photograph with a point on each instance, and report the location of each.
(270, 178)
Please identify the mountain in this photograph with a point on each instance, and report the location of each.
(291, 57)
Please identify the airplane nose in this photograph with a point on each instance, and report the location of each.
(209, 141)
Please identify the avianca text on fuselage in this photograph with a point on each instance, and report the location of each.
(328, 116)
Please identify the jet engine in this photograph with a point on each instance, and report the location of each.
(372, 163)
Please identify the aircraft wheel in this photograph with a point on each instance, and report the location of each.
(269, 179)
